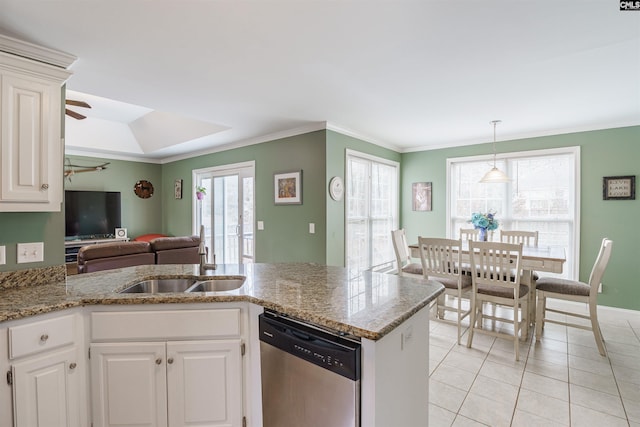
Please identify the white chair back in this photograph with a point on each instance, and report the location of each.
(496, 264)
(595, 278)
(527, 238)
(469, 234)
(403, 255)
(440, 257)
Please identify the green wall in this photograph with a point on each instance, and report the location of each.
(610, 152)
(286, 234)
(25, 227)
(337, 145)
(139, 216)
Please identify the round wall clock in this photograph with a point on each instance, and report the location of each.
(143, 189)
(336, 188)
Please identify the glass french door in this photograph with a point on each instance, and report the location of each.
(227, 213)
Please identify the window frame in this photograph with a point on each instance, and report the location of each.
(574, 151)
(396, 209)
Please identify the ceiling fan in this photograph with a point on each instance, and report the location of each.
(72, 113)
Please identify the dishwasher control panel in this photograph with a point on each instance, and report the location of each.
(330, 351)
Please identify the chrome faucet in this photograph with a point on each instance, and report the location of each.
(202, 253)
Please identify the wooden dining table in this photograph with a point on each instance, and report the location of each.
(549, 259)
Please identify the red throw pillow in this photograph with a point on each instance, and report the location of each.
(148, 237)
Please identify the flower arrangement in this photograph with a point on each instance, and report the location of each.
(200, 192)
(487, 221)
(484, 222)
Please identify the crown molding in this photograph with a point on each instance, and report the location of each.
(35, 52)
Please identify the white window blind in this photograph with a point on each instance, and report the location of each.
(543, 195)
(371, 210)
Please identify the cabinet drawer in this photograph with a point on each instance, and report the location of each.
(41, 336)
(171, 324)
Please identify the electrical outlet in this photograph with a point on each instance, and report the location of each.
(3, 255)
(30, 252)
(260, 225)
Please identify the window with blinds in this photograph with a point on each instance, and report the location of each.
(543, 195)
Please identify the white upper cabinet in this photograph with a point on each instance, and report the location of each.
(32, 148)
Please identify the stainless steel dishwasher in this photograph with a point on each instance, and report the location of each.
(310, 376)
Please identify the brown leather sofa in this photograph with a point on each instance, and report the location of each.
(162, 250)
(107, 256)
(176, 250)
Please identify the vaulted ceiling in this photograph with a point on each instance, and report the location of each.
(175, 77)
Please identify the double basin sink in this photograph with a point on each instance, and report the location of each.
(160, 286)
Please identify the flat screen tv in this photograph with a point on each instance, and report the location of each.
(91, 214)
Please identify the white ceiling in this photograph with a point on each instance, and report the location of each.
(409, 75)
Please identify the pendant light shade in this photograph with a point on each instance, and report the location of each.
(495, 175)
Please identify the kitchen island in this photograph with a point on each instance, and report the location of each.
(389, 314)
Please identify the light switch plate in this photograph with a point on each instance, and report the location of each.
(30, 252)
(3, 255)
(260, 225)
(312, 228)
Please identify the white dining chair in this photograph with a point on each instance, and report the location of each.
(406, 266)
(571, 290)
(527, 238)
(440, 260)
(469, 233)
(496, 272)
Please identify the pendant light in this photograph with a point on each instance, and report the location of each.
(495, 174)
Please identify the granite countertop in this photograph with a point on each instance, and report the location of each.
(368, 306)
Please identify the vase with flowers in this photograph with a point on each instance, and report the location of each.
(200, 192)
(484, 222)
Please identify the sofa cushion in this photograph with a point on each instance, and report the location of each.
(166, 243)
(108, 250)
(106, 256)
(109, 263)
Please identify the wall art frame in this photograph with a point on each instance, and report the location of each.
(177, 187)
(421, 196)
(288, 188)
(619, 187)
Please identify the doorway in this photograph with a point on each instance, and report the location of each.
(227, 212)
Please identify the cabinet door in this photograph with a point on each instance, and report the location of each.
(128, 383)
(47, 390)
(204, 382)
(31, 156)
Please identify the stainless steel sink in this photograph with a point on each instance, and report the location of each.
(157, 286)
(218, 285)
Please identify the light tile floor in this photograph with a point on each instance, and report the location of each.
(559, 381)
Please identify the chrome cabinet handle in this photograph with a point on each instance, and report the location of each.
(158, 361)
(72, 365)
(170, 360)
(44, 187)
(44, 337)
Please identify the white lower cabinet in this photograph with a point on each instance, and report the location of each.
(47, 390)
(204, 383)
(46, 371)
(129, 384)
(175, 383)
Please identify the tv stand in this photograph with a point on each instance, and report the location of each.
(71, 247)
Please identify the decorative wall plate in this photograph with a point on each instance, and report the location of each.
(143, 189)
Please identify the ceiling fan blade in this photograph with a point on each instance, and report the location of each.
(77, 103)
(74, 114)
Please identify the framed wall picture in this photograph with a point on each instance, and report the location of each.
(619, 187)
(288, 188)
(421, 196)
(177, 186)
